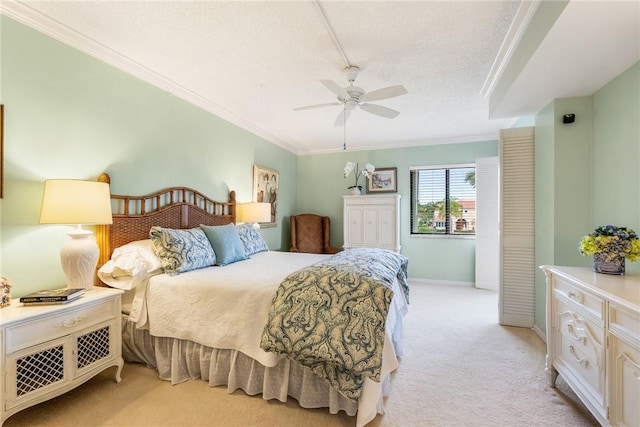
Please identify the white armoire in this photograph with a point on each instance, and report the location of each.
(372, 221)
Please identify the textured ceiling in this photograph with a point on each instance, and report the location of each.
(253, 62)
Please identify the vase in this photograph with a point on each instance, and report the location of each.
(602, 265)
(355, 191)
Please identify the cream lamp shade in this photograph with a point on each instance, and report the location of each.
(254, 212)
(69, 201)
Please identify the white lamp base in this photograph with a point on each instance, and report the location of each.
(79, 258)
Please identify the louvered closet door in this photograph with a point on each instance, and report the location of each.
(517, 282)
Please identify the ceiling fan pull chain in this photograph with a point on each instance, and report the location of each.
(344, 128)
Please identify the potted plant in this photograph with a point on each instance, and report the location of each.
(353, 167)
(610, 246)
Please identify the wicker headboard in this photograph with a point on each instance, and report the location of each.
(175, 207)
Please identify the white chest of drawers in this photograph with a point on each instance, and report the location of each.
(49, 349)
(593, 340)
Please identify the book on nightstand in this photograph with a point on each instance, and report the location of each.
(52, 296)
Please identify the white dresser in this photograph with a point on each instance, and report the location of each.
(593, 340)
(48, 350)
(372, 221)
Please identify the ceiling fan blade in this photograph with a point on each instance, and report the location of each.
(309, 107)
(335, 88)
(384, 93)
(342, 117)
(380, 110)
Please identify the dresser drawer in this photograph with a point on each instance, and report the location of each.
(584, 369)
(582, 299)
(51, 326)
(581, 332)
(625, 322)
(580, 347)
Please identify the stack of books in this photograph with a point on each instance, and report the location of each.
(52, 296)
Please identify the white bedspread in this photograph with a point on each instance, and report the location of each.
(190, 307)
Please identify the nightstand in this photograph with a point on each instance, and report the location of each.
(48, 350)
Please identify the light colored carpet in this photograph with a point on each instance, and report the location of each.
(460, 369)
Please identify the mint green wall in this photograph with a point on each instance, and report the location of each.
(586, 173)
(573, 179)
(544, 205)
(68, 115)
(616, 153)
(321, 186)
(524, 122)
(563, 187)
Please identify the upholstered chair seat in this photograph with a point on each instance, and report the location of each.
(311, 233)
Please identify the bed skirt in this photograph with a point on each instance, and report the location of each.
(181, 360)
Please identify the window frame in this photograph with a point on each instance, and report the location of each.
(449, 227)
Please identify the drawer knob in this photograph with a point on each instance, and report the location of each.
(71, 322)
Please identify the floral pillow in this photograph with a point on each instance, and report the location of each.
(181, 250)
(251, 239)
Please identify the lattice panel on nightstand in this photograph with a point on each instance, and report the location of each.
(39, 370)
(93, 346)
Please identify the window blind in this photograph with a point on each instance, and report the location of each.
(443, 200)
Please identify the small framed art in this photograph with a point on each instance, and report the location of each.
(1, 151)
(383, 180)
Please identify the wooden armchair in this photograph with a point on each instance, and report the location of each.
(310, 233)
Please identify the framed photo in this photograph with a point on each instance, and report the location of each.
(383, 180)
(1, 151)
(265, 190)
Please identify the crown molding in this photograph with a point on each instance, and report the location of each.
(408, 144)
(523, 17)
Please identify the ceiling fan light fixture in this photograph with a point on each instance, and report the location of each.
(350, 104)
(352, 96)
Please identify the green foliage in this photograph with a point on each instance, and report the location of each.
(427, 212)
(471, 178)
(613, 242)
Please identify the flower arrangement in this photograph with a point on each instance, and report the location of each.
(353, 167)
(5, 292)
(612, 242)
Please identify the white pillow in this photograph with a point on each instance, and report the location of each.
(130, 264)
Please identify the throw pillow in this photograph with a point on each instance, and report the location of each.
(181, 250)
(226, 243)
(251, 239)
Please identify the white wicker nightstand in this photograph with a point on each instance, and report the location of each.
(48, 350)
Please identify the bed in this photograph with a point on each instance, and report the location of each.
(218, 322)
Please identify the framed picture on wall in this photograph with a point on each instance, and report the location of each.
(265, 190)
(1, 151)
(383, 180)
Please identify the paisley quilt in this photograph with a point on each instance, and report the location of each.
(330, 316)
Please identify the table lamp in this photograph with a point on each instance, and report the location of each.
(254, 212)
(68, 201)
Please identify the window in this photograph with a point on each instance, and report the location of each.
(443, 200)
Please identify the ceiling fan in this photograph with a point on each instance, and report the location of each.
(352, 96)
